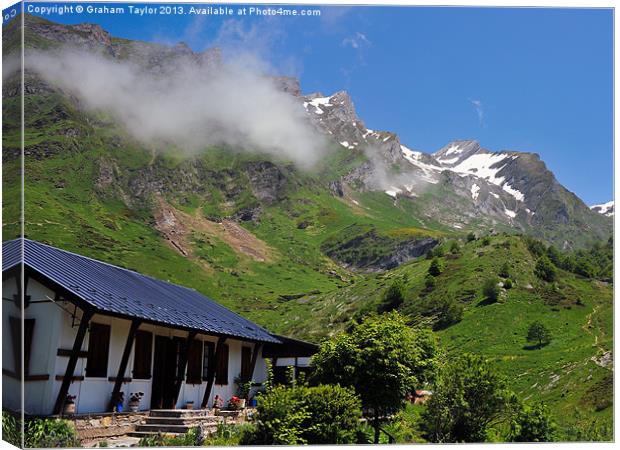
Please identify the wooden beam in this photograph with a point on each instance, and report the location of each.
(67, 352)
(77, 346)
(182, 365)
(257, 348)
(124, 359)
(211, 371)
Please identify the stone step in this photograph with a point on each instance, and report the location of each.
(182, 420)
(179, 413)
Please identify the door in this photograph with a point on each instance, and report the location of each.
(165, 372)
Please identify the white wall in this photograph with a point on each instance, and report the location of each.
(55, 328)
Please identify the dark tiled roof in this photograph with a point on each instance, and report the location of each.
(119, 291)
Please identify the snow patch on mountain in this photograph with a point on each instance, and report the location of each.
(606, 209)
(475, 190)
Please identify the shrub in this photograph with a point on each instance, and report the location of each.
(449, 312)
(533, 424)
(324, 414)
(471, 237)
(508, 284)
(11, 429)
(430, 282)
(455, 248)
(504, 271)
(545, 270)
(393, 297)
(486, 240)
(435, 268)
(490, 289)
(469, 397)
(42, 433)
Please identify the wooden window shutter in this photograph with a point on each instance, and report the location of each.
(207, 359)
(246, 361)
(98, 350)
(16, 339)
(221, 375)
(28, 333)
(143, 354)
(194, 362)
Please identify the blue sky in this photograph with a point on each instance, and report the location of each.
(537, 80)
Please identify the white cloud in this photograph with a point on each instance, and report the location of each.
(477, 104)
(357, 41)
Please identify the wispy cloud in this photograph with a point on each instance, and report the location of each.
(357, 41)
(479, 108)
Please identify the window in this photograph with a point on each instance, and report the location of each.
(194, 362)
(246, 362)
(207, 359)
(16, 336)
(221, 374)
(143, 353)
(98, 350)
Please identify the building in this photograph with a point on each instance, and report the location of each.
(93, 330)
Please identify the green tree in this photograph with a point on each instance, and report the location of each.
(537, 332)
(490, 289)
(435, 268)
(533, 423)
(382, 358)
(469, 398)
(393, 297)
(545, 270)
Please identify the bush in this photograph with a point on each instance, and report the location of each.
(449, 312)
(533, 424)
(468, 399)
(228, 434)
(508, 284)
(324, 414)
(471, 237)
(435, 268)
(430, 282)
(504, 271)
(42, 433)
(545, 270)
(486, 240)
(393, 297)
(11, 429)
(455, 248)
(490, 289)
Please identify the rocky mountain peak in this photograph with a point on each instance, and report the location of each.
(95, 31)
(290, 85)
(457, 151)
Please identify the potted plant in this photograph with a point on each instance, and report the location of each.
(69, 406)
(134, 401)
(117, 402)
(243, 388)
(236, 403)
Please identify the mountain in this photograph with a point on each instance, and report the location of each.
(606, 209)
(479, 188)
